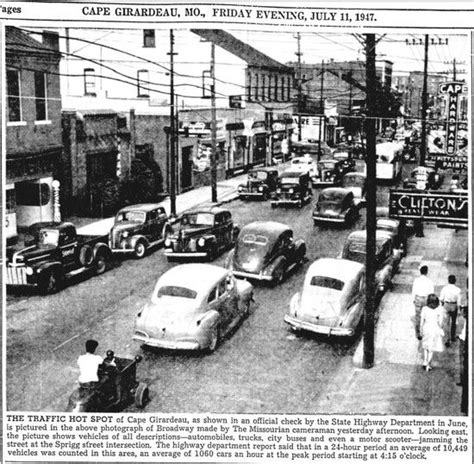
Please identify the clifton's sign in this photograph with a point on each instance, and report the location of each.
(444, 207)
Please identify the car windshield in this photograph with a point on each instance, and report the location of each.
(327, 282)
(175, 291)
(49, 237)
(353, 181)
(331, 197)
(198, 219)
(258, 175)
(131, 216)
(289, 180)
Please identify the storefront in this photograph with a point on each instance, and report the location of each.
(238, 149)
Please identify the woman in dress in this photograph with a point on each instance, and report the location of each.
(431, 330)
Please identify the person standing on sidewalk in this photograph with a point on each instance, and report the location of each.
(450, 297)
(431, 330)
(422, 287)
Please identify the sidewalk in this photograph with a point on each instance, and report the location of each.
(397, 384)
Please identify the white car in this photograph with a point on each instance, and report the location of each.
(193, 306)
(304, 164)
(332, 299)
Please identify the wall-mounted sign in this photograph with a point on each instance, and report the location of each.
(443, 207)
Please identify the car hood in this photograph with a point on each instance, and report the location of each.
(190, 231)
(29, 253)
(168, 315)
(126, 226)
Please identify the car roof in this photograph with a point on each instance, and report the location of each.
(141, 207)
(335, 191)
(337, 268)
(293, 174)
(380, 235)
(196, 276)
(269, 228)
(355, 173)
(209, 209)
(266, 169)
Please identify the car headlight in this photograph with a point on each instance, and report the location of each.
(291, 191)
(29, 271)
(125, 234)
(278, 190)
(260, 189)
(201, 242)
(240, 188)
(167, 243)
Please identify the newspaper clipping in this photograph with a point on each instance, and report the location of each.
(236, 232)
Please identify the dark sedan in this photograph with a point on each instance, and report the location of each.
(266, 251)
(335, 205)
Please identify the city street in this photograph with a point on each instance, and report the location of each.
(46, 334)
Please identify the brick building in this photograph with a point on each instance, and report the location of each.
(33, 128)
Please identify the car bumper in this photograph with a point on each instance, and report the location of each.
(286, 201)
(187, 254)
(335, 219)
(251, 194)
(317, 328)
(166, 344)
(251, 275)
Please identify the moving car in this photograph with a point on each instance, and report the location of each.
(335, 205)
(202, 233)
(103, 396)
(303, 164)
(56, 253)
(387, 258)
(293, 189)
(266, 250)
(137, 228)
(261, 183)
(325, 174)
(332, 299)
(193, 306)
(355, 182)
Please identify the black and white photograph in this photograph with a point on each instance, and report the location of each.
(230, 222)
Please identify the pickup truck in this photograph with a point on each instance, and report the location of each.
(56, 253)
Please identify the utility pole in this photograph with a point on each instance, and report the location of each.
(213, 126)
(298, 54)
(424, 105)
(454, 69)
(371, 196)
(172, 144)
(321, 109)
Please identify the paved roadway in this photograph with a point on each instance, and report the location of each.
(261, 367)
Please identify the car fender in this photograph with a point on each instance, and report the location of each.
(229, 260)
(353, 315)
(295, 304)
(278, 261)
(300, 248)
(207, 321)
(101, 248)
(50, 266)
(244, 290)
(135, 238)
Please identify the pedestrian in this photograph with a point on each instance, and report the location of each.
(450, 298)
(422, 287)
(89, 365)
(431, 330)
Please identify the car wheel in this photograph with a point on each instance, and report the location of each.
(300, 203)
(142, 396)
(247, 306)
(101, 263)
(278, 276)
(50, 283)
(265, 196)
(140, 249)
(214, 339)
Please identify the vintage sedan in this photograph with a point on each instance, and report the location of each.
(266, 251)
(335, 205)
(203, 233)
(387, 258)
(137, 228)
(261, 183)
(193, 307)
(356, 183)
(305, 164)
(332, 299)
(397, 229)
(325, 173)
(293, 189)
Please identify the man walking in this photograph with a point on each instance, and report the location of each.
(422, 287)
(450, 297)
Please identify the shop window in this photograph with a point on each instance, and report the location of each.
(142, 83)
(40, 96)
(14, 96)
(89, 82)
(149, 38)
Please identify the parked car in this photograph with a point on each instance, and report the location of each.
(356, 182)
(193, 307)
(434, 179)
(266, 250)
(335, 205)
(103, 396)
(397, 230)
(261, 183)
(203, 233)
(293, 189)
(303, 164)
(387, 258)
(332, 299)
(137, 228)
(56, 253)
